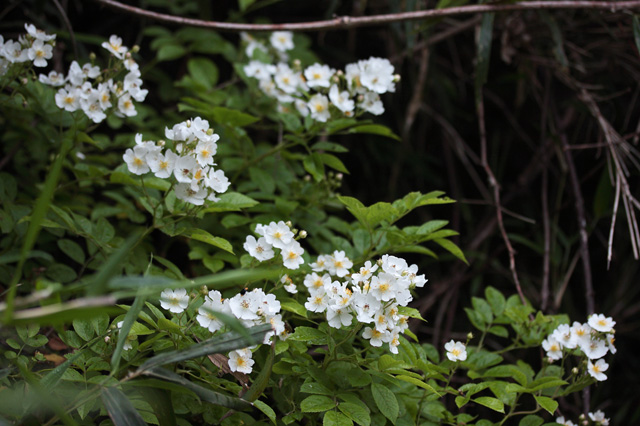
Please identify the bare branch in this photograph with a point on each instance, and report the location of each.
(342, 22)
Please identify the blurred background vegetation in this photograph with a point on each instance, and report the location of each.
(562, 125)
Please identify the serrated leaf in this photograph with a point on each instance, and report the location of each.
(316, 404)
(84, 328)
(489, 402)
(496, 300)
(547, 403)
(333, 162)
(169, 52)
(334, 418)
(385, 401)
(72, 249)
(417, 382)
(356, 413)
(451, 248)
(268, 411)
(316, 389)
(483, 309)
(374, 129)
(531, 420)
(205, 237)
(314, 166)
(308, 334)
(203, 71)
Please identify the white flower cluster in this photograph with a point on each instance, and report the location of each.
(275, 235)
(319, 90)
(594, 338)
(250, 307)
(372, 298)
(597, 418)
(89, 89)
(35, 46)
(191, 164)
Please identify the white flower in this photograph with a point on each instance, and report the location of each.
(610, 341)
(339, 264)
(318, 75)
(456, 351)
(376, 338)
(207, 311)
(278, 234)
(317, 302)
(601, 323)
(383, 287)
(259, 70)
(286, 79)
(162, 164)
(187, 193)
(377, 75)
(184, 169)
(245, 306)
(341, 100)
(282, 40)
(338, 317)
(240, 360)
(38, 34)
(217, 181)
(316, 283)
(321, 263)
(52, 79)
(598, 417)
(90, 71)
(135, 159)
(553, 348)
(115, 46)
(301, 107)
(175, 301)
(319, 107)
(259, 249)
(371, 103)
(292, 255)
(68, 99)
(13, 52)
(564, 422)
(594, 348)
(125, 106)
(364, 274)
(581, 334)
(39, 52)
(596, 370)
(563, 335)
(127, 342)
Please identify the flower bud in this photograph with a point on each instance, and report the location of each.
(335, 79)
(209, 132)
(469, 336)
(24, 81)
(396, 78)
(360, 98)
(204, 290)
(307, 178)
(161, 143)
(575, 370)
(339, 176)
(303, 234)
(135, 48)
(188, 123)
(289, 224)
(297, 63)
(107, 338)
(92, 56)
(339, 73)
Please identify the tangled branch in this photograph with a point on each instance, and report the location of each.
(343, 22)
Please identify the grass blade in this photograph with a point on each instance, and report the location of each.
(120, 409)
(220, 344)
(204, 393)
(128, 321)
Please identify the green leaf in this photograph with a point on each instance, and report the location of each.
(260, 383)
(531, 420)
(37, 217)
(205, 237)
(483, 309)
(244, 4)
(333, 162)
(123, 333)
(316, 389)
(84, 328)
(545, 383)
(489, 402)
(314, 166)
(417, 382)
(316, 404)
(308, 334)
(484, 50)
(203, 71)
(291, 305)
(120, 409)
(169, 52)
(204, 393)
(356, 413)
(334, 418)
(547, 403)
(496, 300)
(636, 31)
(72, 249)
(53, 377)
(374, 129)
(98, 283)
(232, 117)
(451, 248)
(268, 411)
(219, 344)
(385, 401)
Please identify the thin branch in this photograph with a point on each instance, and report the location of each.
(342, 22)
(496, 194)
